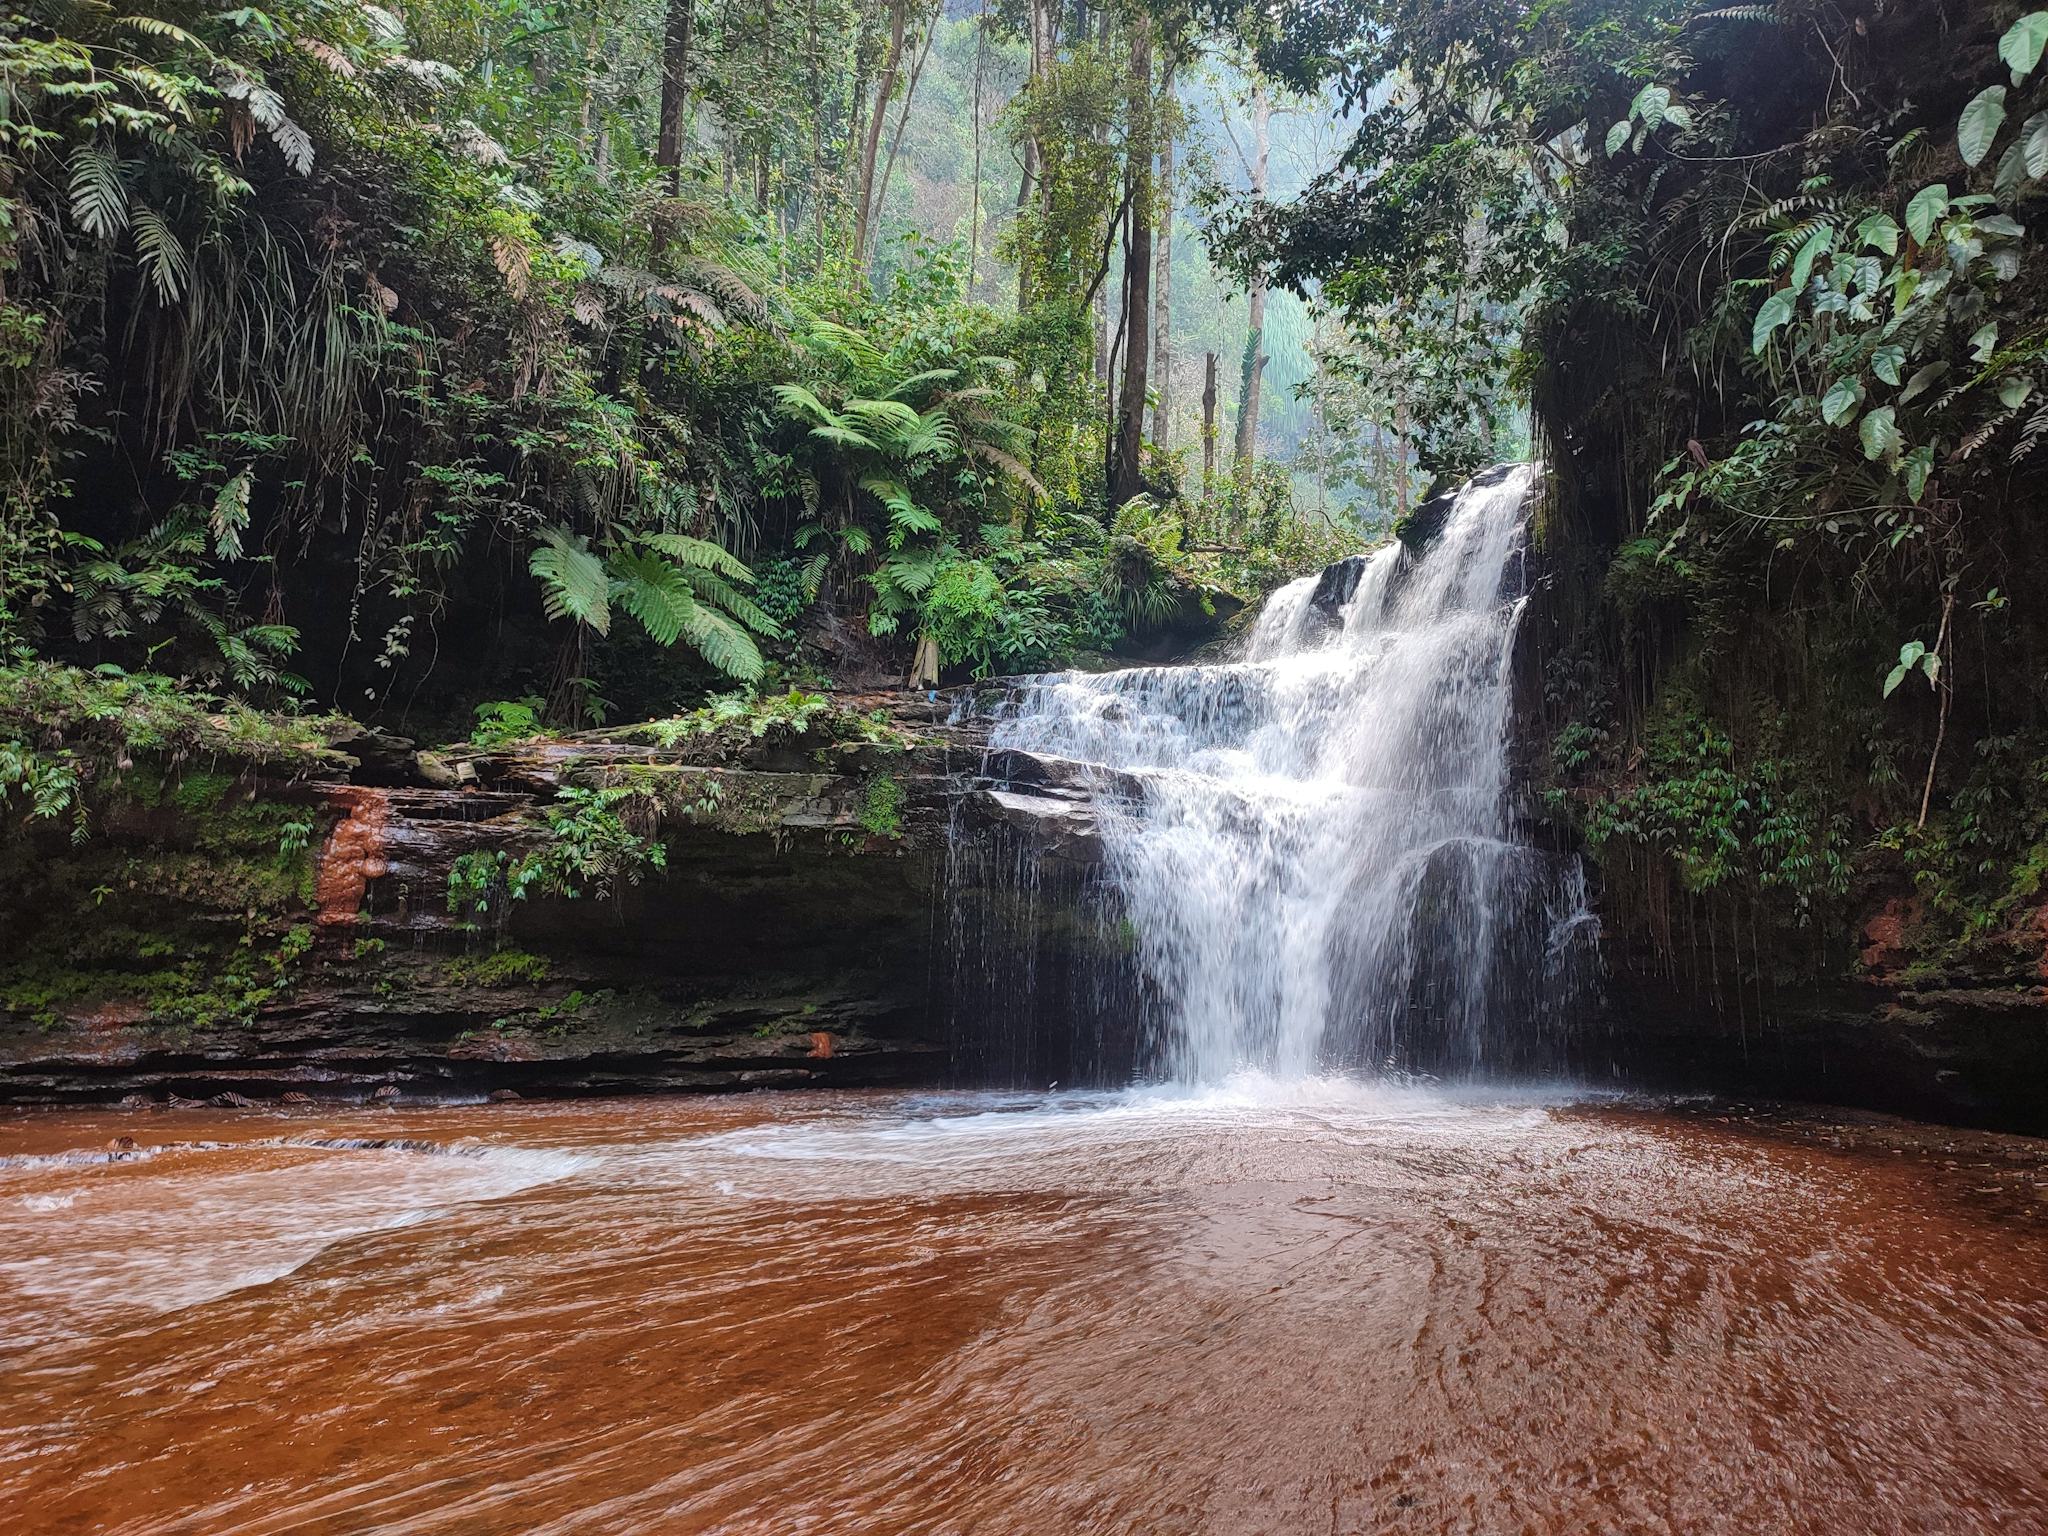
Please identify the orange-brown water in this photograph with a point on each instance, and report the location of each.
(1339, 1309)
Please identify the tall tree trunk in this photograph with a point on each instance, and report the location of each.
(1254, 368)
(814, 68)
(1162, 280)
(1208, 425)
(1127, 466)
(974, 209)
(1032, 181)
(885, 87)
(902, 117)
(675, 90)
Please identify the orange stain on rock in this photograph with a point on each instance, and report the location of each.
(1885, 935)
(821, 1045)
(354, 855)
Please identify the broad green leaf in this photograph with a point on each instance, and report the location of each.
(1841, 401)
(1918, 466)
(1928, 204)
(2011, 175)
(1880, 433)
(1984, 341)
(2013, 391)
(1999, 224)
(1909, 658)
(1886, 361)
(1651, 104)
(1776, 311)
(2034, 144)
(1880, 232)
(1678, 116)
(1922, 378)
(1980, 123)
(1617, 136)
(2021, 46)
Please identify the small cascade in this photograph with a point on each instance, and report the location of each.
(1313, 846)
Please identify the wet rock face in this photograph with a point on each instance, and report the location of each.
(830, 913)
(789, 940)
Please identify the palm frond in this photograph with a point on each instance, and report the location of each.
(99, 201)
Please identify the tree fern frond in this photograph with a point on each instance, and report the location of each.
(723, 643)
(891, 417)
(845, 342)
(573, 580)
(156, 26)
(799, 401)
(715, 589)
(904, 387)
(231, 515)
(701, 554)
(654, 592)
(846, 437)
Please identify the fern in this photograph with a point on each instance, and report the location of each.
(654, 592)
(700, 553)
(573, 580)
(722, 643)
(732, 601)
(231, 515)
(891, 418)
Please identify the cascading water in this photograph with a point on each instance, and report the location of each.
(1314, 844)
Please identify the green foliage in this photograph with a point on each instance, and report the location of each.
(881, 808)
(592, 841)
(503, 967)
(507, 720)
(1757, 826)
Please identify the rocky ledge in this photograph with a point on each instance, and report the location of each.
(813, 899)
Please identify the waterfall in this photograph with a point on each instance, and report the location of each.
(1314, 845)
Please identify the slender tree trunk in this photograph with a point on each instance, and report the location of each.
(974, 210)
(1400, 455)
(814, 68)
(1127, 473)
(1032, 182)
(856, 107)
(675, 90)
(1254, 369)
(902, 118)
(1947, 690)
(885, 87)
(1162, 280)
(1208, 425)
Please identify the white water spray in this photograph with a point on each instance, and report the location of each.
(1317, 859)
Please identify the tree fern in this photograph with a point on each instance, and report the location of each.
(889, 419)
(573, 581)
(700, 553)
(654, 592)
(730, 599)
(722, 642)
